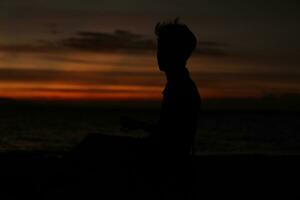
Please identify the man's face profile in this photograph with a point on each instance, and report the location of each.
(175, 43)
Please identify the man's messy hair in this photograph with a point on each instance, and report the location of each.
(177, 36)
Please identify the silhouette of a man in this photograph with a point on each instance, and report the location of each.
(177, 125)
(181, 101)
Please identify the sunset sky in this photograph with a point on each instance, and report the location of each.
(105, 50)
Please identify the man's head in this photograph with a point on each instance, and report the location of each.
(175, 44)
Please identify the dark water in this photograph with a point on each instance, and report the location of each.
(34, 131)
(60, 128)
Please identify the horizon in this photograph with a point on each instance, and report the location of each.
(276, 103)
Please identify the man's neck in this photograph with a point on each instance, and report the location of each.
(177, 75)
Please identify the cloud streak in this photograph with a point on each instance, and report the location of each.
(118, 41)
(35, 83)
(109, 42)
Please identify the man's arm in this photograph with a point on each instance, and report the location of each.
(130, 124)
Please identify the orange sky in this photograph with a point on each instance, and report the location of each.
(124, 76)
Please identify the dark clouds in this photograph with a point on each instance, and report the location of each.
(250, 26)
(30, 48)
(118, 41)
(108, 42)
(212, 48)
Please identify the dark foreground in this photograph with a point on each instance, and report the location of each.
(94, 171)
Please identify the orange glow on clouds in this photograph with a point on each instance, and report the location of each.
(122, 76)
(79, 92)
(81, 96)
